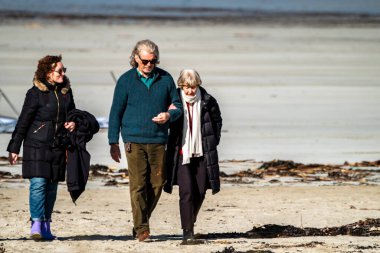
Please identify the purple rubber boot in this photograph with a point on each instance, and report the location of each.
(45, 231)
(35, 231)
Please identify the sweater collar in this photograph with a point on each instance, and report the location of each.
(151, 74)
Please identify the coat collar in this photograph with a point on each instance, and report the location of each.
(44, 87)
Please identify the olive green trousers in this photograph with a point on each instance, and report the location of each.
(146, 171)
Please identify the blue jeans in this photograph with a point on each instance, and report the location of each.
(42, 195)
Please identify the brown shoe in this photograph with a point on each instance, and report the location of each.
(143, 236)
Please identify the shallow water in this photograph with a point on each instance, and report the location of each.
(194, 8)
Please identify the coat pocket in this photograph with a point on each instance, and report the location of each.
(41, 132)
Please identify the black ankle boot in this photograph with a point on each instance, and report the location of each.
(188, 234)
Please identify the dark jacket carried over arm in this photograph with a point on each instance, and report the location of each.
(211, 126)
(78, 158)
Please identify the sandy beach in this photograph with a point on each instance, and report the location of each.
(101, 221)
(305, 93)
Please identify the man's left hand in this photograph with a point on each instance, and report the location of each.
(161, 118)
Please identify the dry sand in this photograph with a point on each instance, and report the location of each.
(101, 222)
(309, 94)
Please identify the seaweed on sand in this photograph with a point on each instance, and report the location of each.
(368, 227)
(308, 172)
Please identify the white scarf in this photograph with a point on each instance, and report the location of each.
(191, 143)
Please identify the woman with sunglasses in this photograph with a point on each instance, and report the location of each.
(41, 128)
(192, 156)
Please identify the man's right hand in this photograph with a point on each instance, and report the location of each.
(12, 158)
(115, 152)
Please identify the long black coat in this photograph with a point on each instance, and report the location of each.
(39, 126)
(211, 126)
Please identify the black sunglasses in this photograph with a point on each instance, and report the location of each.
(60, 71)
(145, 62)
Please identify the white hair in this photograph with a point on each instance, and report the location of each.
(189, 77)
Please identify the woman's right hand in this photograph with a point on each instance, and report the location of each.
(12, 158)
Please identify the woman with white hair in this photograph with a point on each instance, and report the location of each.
(192, 156)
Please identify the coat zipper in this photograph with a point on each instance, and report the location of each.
(56, 123)
(39, 128)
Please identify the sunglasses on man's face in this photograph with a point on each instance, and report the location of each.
(145, 62)
(60, 71)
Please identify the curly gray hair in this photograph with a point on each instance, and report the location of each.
(146, 45)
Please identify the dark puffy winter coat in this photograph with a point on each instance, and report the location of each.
(78, 158)
(211, 126)
(40, 129)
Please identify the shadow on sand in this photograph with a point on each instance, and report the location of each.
(368, 227)
(97, 237)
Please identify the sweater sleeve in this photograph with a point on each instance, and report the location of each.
(175, 100)
(119, 103)
(25, 119)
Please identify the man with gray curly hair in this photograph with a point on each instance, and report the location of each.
(140, 113)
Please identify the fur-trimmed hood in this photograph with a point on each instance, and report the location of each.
(42, 87)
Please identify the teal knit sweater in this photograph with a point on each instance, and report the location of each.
(134, 106)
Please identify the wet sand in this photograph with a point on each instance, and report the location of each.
(303, 93)
(308, 94)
